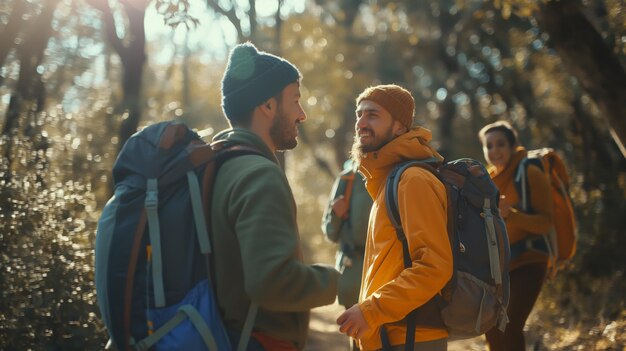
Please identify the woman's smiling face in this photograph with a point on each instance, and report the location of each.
(497, 149)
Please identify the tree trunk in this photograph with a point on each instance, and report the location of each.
(10, 31)
(132, 56)
(344, 133)
(447, 113)
(30, 54)
(133, 59)
(186, 88)
(587, 57)
(28, 96)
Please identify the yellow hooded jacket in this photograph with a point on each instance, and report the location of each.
(388, 290)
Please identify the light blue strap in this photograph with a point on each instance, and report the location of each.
(247, 326)
(492, 242)
(184, 312)
(198, 215)
(197, 320)
(479, 318)
(504, 318)
(522, 179)
(152, 207)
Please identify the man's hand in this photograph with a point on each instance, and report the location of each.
(352, 323)
(340, 207)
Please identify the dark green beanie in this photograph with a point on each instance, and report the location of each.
(253, 77)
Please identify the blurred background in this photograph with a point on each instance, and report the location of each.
(78, 77)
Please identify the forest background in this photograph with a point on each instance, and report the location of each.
(78, 77)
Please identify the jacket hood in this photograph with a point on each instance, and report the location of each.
(412, 145)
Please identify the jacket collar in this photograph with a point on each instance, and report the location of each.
(412, 145)
(246, 137)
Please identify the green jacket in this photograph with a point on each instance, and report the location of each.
(352, 231)
(257, 252)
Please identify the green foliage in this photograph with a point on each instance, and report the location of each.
(47, 226)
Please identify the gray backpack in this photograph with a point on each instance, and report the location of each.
(476, 297)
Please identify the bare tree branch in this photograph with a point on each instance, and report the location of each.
(252, 20)
(109, 24)
(230, 14)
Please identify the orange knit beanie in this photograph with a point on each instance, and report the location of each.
(395, 99)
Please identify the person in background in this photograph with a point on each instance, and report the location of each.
(529, 261)
(389, 291)
(345, 222)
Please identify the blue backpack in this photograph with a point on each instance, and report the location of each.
(153, 246)
(476, 297)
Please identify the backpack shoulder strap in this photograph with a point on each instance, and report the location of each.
(521, 183)
(221, 153)
(391, 199)
(521, 180)
(152, 205)
(556, 168)
(198, 215)
(347, 194)
(132, 265)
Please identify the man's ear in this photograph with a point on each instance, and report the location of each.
(269, 106)
(399, 128)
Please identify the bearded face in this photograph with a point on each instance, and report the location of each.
(284, 132)
(367, 140)
(374, 128)
(289, 113)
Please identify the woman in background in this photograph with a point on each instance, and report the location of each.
(526, 230)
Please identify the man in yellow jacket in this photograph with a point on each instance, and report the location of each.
(384, 138)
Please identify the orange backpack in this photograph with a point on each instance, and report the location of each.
(562, 239)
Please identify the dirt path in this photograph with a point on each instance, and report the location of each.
(324, 333)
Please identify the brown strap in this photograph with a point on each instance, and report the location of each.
(348, 192)
(200, 153)
(207, 189)
(172, 135)
(130, 275)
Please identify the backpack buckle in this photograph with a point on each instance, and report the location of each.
(152, 195)
(152, 200)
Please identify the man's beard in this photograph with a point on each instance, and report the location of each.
(357, 153)
(359, 150)
(281, 132)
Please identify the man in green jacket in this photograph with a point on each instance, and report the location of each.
(345, 222)
(257, 252)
